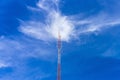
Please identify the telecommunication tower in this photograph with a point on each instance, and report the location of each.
(59, 57)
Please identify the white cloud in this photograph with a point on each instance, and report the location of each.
(48, 5)
(46, 32)
(112, 51)
(70, 27)
(54, 23)
(24, 48)
(35, 29)
(96, 23)
(15, 52)
(2, 65)
(62, 24)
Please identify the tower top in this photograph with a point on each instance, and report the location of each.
(59, 40)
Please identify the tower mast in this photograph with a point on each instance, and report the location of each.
(59, 57)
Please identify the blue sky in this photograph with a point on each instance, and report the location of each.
(90, 39)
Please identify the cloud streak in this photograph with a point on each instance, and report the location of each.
(2, 65)
(97, 23)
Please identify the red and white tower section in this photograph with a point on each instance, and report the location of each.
(59, 57)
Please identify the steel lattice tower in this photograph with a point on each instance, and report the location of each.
(59, 57)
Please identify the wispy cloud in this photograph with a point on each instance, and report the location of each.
(113, 51)
(97, 23)
(15, 52)
(24, 48)
(54, 22)
(3, 64)
(69, 26)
